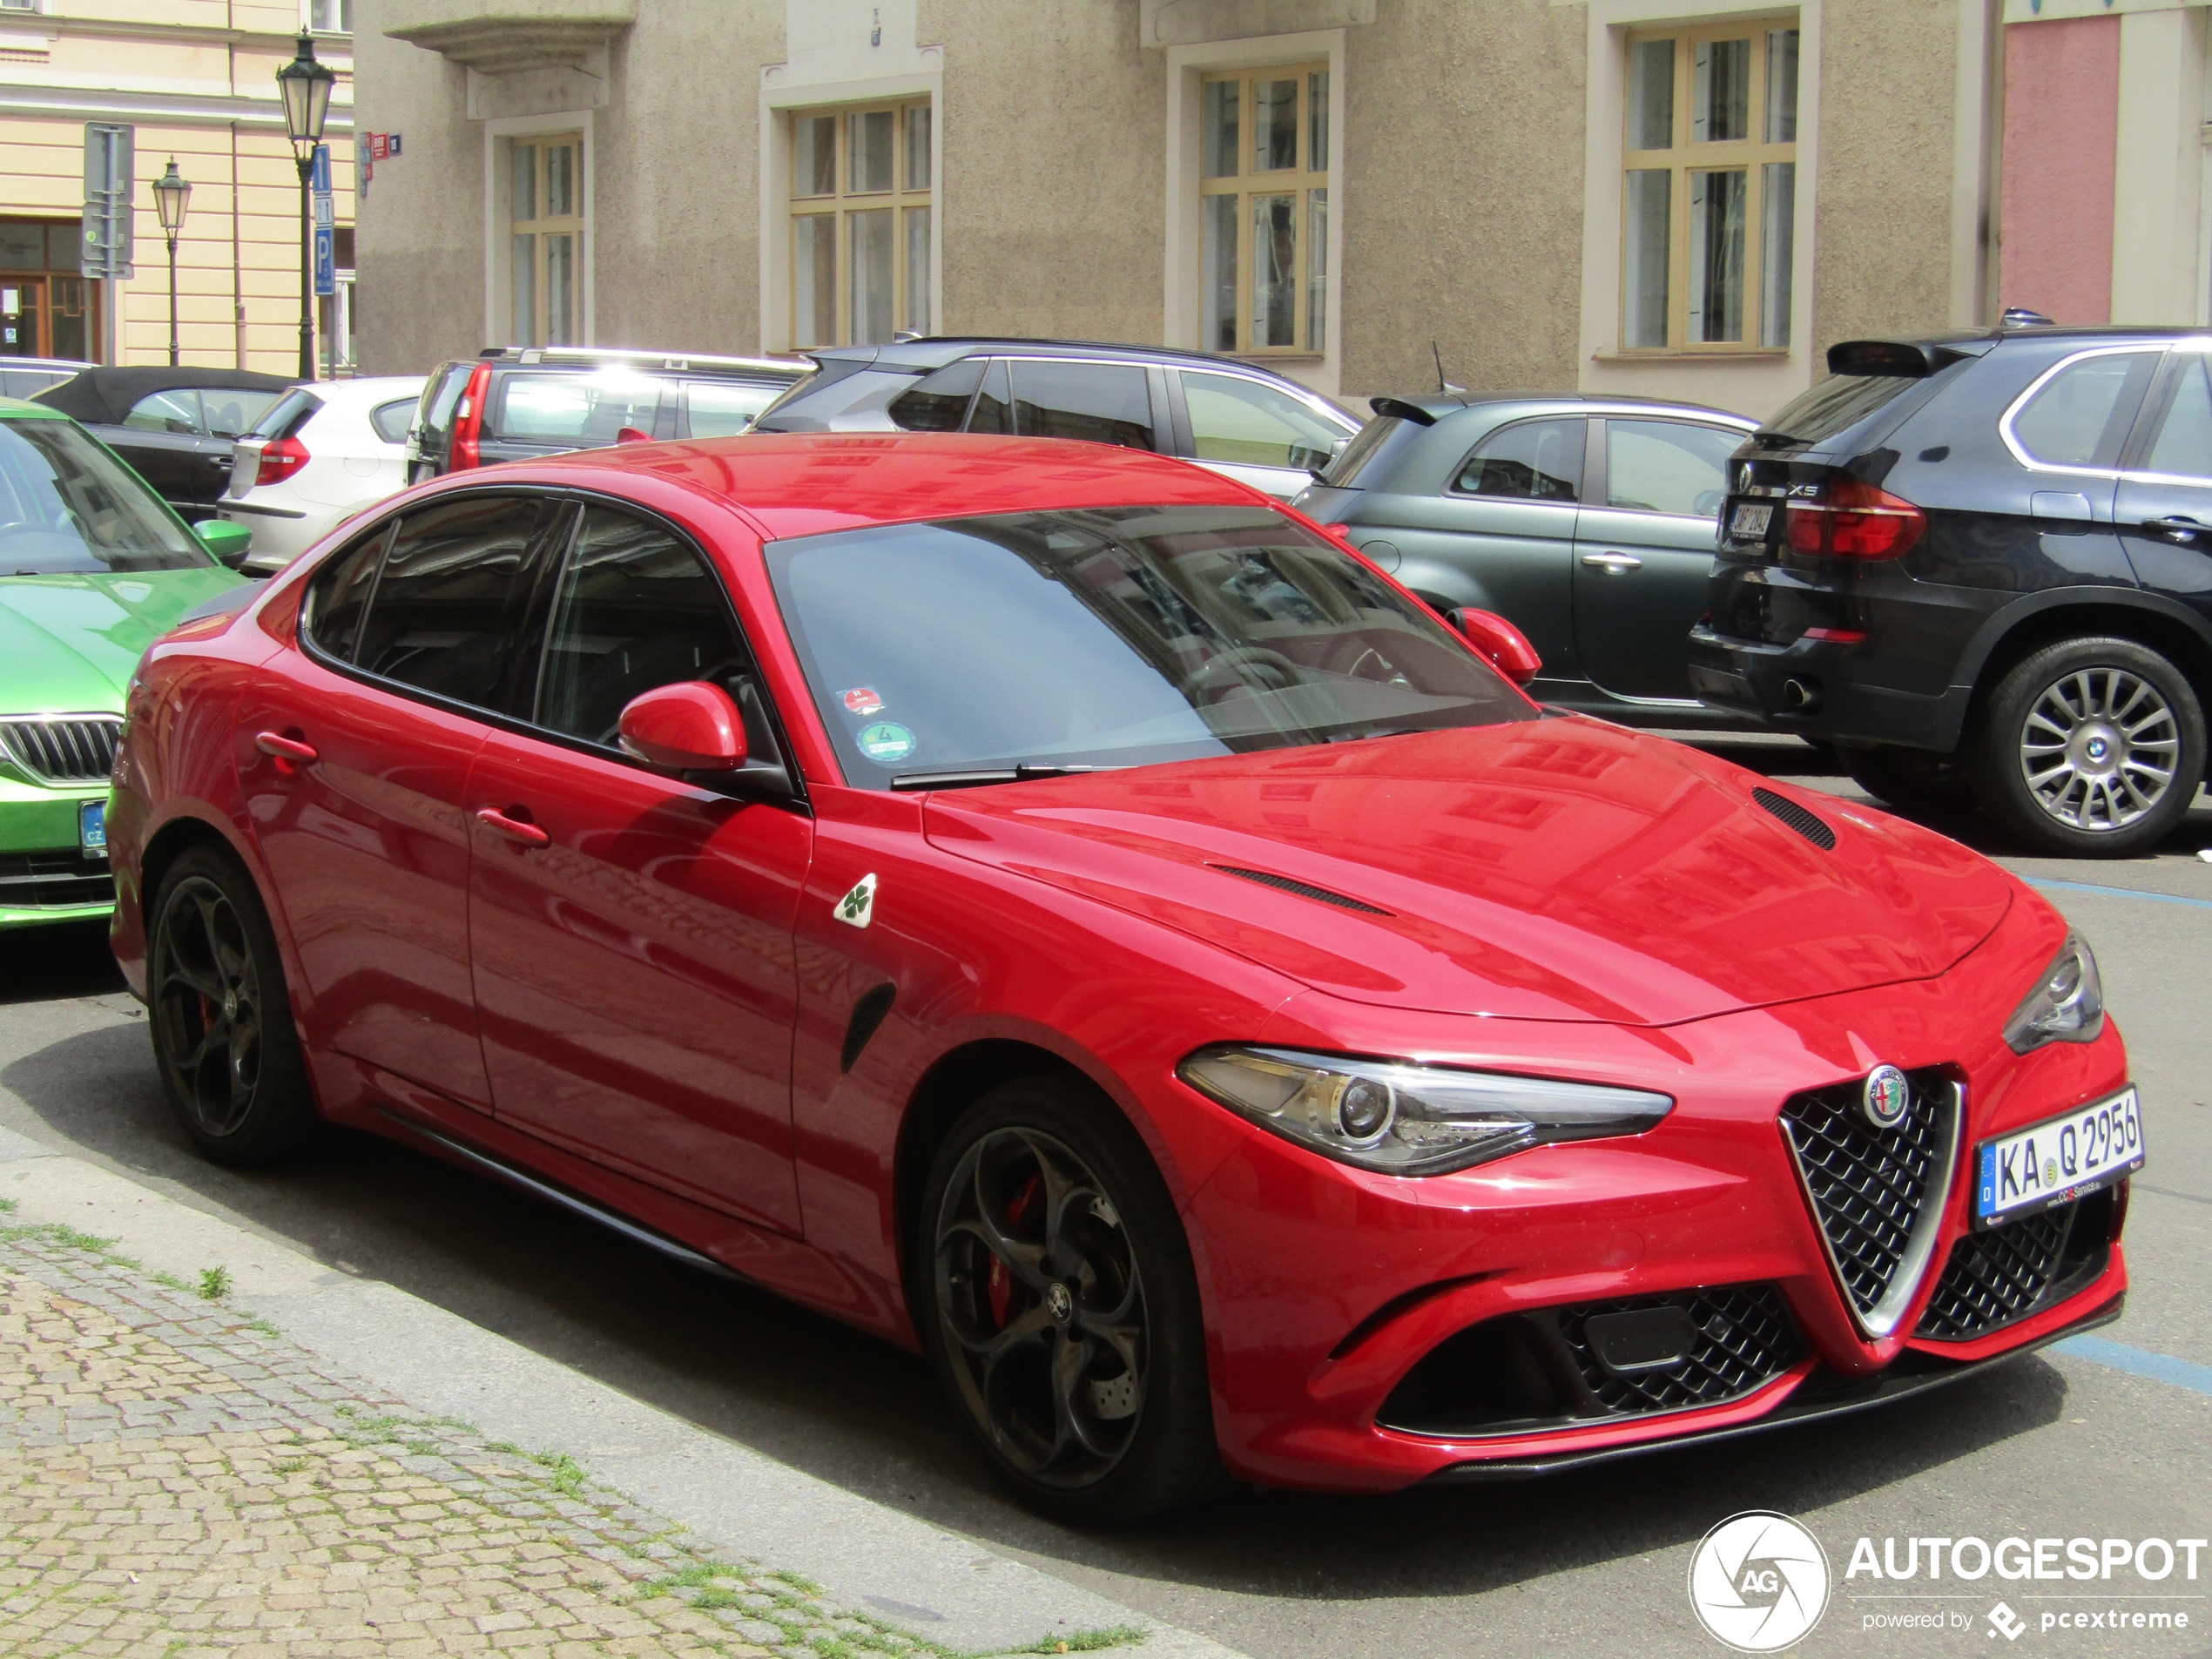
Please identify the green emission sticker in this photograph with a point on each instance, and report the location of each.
(886, 742)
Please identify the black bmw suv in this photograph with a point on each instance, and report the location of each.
(1980, 565)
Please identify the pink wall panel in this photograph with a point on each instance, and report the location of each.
(2061, 148)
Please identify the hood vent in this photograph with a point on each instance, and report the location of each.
(1304, 889)
(1814, 829)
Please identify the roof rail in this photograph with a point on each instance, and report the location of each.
(638, 358)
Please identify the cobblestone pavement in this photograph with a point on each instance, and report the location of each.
(177, 1481)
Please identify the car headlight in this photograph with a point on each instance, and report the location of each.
(2067, 1004)
(1403, 1119)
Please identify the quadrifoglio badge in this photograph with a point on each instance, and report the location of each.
(1760, 1582)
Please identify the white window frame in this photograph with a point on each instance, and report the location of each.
(308, 24)
(1187, 67)
(499, 216)
(1734, 378)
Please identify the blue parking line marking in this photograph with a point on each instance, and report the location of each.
(2118, 893)
(2143, 1362)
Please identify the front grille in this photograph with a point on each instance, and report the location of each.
(65, 748)
(53, 880)
(1536, 1371)
(1877, 1194)
(1999, 1277)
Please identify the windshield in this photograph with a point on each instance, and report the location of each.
(1111, 638)
(68, 507)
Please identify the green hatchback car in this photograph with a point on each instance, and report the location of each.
(93, 566)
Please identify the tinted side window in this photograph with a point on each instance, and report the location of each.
(439, 397)
(1102, 403)
(939, 401)
(1535, 461)
(1668, 467)
(2184, 445)
(636, 610)
(339, 593)
(2079, 416)
(390, 420)
(450, 598)
(993, 410)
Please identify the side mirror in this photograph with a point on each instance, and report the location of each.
(226, 543)
(1499, 643)
(689, 726)
(631, 435)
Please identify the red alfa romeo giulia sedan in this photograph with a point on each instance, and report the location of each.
(1053, 908)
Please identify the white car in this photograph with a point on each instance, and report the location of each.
(323, 453)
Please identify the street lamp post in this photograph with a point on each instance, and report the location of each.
(306, 86)
(171, 194)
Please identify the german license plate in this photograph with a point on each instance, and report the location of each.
(1750, 518)
(91, 828)
(2058, 1160)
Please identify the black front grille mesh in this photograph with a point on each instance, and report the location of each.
(1997, 1277)
(78, 749)
(1867, 1185)
(1744, 1341)
(1806, 822)
(53, 880)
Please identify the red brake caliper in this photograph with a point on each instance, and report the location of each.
(1001, 1281)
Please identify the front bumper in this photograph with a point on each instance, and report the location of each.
(1810, 686)
(1327, 1289)
(45, 877)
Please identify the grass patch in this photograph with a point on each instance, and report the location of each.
(55, 1232)
(262, 1327)
(214, 1283)
(1119, 1636)
(567, 1475)
(171, 1281)
(289, 1464)
(797, 1582)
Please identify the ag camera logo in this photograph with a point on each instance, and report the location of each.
(1758, 1581)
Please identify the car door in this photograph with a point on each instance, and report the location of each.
(1255, 433)
(353, 757)
(1500, 534)
(2164, 504)
(163, 438)
(1643, 549)
(631, 932)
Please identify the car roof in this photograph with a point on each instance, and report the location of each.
(935, 351)
(370, 387)
(801, 483)
(1438, 405)
(108, 395)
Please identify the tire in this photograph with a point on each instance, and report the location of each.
(221, 1020)
(2089, 748)
(1912, 781)
(1057, 1299)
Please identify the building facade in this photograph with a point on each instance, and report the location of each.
(197, 81)
(1671, 198)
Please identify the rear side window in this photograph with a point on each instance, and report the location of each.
(1534, 461)
(339, 596)
(445, 609)
(1370, 440)
(390, 420)
(939, 403)
(231, 414)
(724, 409)
(1836, 404)
(288, 414)
(993, 410)
(2079, 416)
(587, 411)
(1097, 402)
(2184, 445)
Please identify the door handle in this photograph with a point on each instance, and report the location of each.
(1613, 564)
(519, 831)
(2176, 526)
(283, 749)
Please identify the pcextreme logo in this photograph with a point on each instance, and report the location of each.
(1758, 1581)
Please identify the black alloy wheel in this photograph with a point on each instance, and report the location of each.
(221, 1020)
(1060, 1308)
(2090, 747)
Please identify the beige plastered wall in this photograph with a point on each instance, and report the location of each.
(1463, 196)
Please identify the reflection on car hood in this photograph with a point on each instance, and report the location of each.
(67, 643)
(1557, 870)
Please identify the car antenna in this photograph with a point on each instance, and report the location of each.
(1442, 385)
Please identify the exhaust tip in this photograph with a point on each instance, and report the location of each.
(1799, 697)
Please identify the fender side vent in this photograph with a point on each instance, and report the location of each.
(1814, 829)
(867, 1014)
(1307, 890)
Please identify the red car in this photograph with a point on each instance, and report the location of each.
(1053, 908)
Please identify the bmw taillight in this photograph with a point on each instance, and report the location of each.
(280, 458)
(1852, 519)
(469, 420)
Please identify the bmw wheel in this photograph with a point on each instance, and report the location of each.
(223, 1036)
(2090, 746)
(1060, 1307)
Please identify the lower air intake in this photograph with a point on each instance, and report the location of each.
(2000, 1277)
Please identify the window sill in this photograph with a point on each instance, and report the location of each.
(1261, 360)
(1761, 355)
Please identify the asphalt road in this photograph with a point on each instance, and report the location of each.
(2057, 1446)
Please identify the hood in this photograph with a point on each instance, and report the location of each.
(67, 643)
(1561, 869)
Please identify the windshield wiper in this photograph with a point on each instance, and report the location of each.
(970, 779)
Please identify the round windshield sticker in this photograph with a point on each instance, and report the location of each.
(862, 699)
(887, 743)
